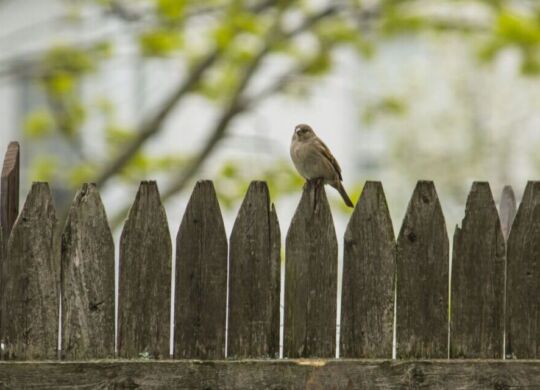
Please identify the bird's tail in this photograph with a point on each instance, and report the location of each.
(338, 186)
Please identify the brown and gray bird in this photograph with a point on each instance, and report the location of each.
(314, 161)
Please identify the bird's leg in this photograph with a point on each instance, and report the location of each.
(318, 183)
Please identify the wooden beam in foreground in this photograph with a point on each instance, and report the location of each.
(275, 374)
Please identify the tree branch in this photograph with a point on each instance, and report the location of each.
(238, 104)
(153, 125)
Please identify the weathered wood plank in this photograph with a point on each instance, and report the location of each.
(30, 290)
(274, 374)
(201, 278)
(9, 188)
(369, 265)
(254, 275)
(311, 278)
(507, 210)
(478, 266)
(145, 278)
(523, 278)
(422, 277)
(9, 200)
(87, 279)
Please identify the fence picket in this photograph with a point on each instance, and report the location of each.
(9, 188)
(87, 279)
(507, 210)
(145, 276)
(254, 275)
(9, 201)
(201, 278)
(478, 264)
(523, 278)
(30, 289)
(367, 305)
(311, 278)
(422, 277)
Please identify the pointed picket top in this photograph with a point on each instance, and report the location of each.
(9, 188)
(145, 274)
(311, 278)
(478, 265)
(201, 278)
(254, 277)
(422, 277)
(369, 265)
(87, 279)
(523, 278)
(30, 290)
(507, 209)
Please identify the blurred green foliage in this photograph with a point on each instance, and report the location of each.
(233, 179)
(238, 32)
(386, 106)
(518, 30)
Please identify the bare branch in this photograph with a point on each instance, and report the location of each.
(236, 106)
(153, 125)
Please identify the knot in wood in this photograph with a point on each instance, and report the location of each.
(414, 376)
(501, 384)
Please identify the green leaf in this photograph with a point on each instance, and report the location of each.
(229, 170)
(68, 59)
(520, 29)
(489, 50)
(159, 43)
(76, 116)
(38, 124)
(388, 106)
(531, 64)
(60, 83)
(103, 49)
(171, 10)
(247, 22)
(81, 174)
(223, 35)
(143, 164)
(117, 135)
(43, 168)
(321, 64)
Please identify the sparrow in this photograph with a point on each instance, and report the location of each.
(314, 161)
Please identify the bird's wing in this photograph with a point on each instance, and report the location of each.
(328, 155)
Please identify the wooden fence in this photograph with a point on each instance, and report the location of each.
(450, 326)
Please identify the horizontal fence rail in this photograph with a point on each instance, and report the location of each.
(473, 302)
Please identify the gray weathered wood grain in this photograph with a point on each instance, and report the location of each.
(9, 188)
(478, 266)
(145, 278)
(274, 374)
(367, 304)
(523, 278)
(311, 278)
(9, 200)
(87, 279)
(201, 278)
(31, 276)
(254, 275)
(422, 277)
(507, 209)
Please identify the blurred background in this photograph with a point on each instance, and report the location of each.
(115, 92)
